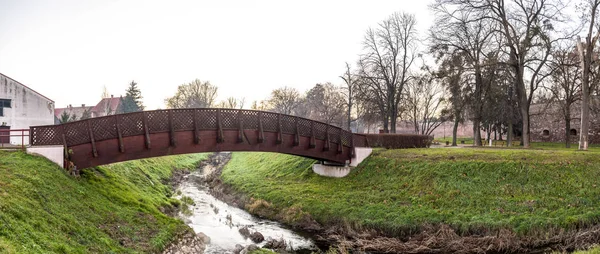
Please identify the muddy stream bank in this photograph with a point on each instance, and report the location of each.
(229, 228)
(220, 213)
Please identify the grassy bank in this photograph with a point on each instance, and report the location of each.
(109, 209)
(397, 191)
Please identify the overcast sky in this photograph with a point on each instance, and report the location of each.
(69, 49)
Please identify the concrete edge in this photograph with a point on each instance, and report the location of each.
(53, 153)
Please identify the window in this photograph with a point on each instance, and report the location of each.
(546, 133)
(573, 132)
(5, 103)
(1, 111)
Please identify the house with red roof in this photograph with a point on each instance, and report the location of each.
(106, 106)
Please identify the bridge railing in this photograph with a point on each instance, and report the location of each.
(157, 121)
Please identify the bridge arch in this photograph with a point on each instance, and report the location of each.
(146, 134)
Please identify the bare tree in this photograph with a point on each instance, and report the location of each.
(462, 33)
(232, 102)
(284, 100)
(565, 84)
(424, 104)
(196, 94)
(349, 90)
(389, 53)
(586, 52)
(525, 26)
(325, 103)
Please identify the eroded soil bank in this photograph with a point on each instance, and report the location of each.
(345, 237)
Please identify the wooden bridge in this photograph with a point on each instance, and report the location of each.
(122, 137)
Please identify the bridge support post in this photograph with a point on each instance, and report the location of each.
(92, 140)
(171, 130)
(279, 139)
(119, 135)
(312, 142)
(296, 134)
(146, 131)
(240, 137)
(220, 138)
(196, 132)
(326, 145)
(261, 134)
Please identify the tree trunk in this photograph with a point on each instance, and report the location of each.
(509, 134)
(568, 131)
(454, 131)
(524, 107)
(476, 132)
(585, 117)
(349, 116)
(394, 116)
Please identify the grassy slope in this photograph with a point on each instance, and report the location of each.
(527, 191)
(109, 209)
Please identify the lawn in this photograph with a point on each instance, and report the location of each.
(109, 209)
(474, 190)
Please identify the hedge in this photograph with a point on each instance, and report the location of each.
(395, 141)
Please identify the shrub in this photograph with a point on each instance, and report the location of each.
(395, 141)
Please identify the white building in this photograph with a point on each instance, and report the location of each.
(22, 107)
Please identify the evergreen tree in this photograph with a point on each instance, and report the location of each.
(132, 102)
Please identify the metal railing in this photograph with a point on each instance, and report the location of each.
(7, 134)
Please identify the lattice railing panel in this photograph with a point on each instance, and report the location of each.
(250, 119)
(207, 119)
(76, 133)
(346, 138)
(304, 127)
(229, 119)
(269, 121)
(287, 124)
(158, 121)
(334, 134)
(46, 135)
(104, 128)
(320, 130)
(183, 119)
(131, 124)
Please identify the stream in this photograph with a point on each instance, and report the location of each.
(221, 222)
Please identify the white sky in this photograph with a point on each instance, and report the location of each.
(69, 49)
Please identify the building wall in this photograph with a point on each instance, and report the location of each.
(28, 108)
(548, 124)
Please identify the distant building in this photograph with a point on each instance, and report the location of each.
(106, 106)
(22, 107)
(548, 122)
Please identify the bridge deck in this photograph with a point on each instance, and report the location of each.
(103, 140)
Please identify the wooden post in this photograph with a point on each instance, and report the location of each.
(352, 148)
(119, 135)
(340, 147)
(326, 145)
(146, 132)
(296, 134)
(219, 128)
(64, 139)
(171, 129)
(312, 135)
(92, 140)
(261, 134)
(196, 132)
(240, 137)
(279, 138)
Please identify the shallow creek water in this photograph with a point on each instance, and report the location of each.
(221, 222)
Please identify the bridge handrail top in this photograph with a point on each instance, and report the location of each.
(182, 109)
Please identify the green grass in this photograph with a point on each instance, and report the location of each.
(529, 191)
(595, 250)
(109, 209)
